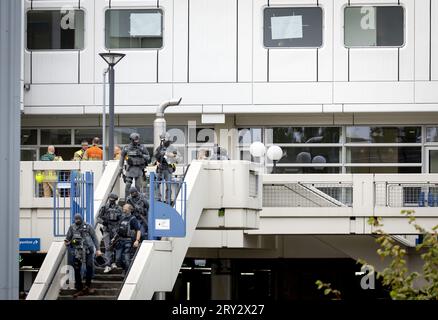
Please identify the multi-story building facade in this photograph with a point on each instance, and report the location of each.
(344, 87)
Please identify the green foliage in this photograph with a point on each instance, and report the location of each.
(328, 290)
(396, 276)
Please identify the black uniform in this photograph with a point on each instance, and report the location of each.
(109, 216)
(141, 210)
(126, 234)
(137, 158)
(82, 245)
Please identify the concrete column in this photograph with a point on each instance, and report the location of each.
(11, 35)
(221, 280)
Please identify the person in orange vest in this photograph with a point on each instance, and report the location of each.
(94, 153)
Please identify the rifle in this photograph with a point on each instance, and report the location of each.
(114, 242)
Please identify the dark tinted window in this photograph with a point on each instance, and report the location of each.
(367, 134)
(384, 155)
(29, 137)
(56, 137)
(55, 29)
(374, 26)
(293, 27)
(305, 134)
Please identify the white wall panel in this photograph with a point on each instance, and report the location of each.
(133, 3)
(374, 64)
(373, 92)
(325, 53)
(142, 94)
(422, 39)
(291, 2)
(292, 93)
(213, 41)
(60, 95)
(368, 2)
(55, 67)
(340, 53)
(434, 41)
(407, 52)
(293, 65)
(260, 54)
(87, 56)
(180, 40)
(214, 93)
(165, 54)
(426, 92)
(137, 66)
(245, 40)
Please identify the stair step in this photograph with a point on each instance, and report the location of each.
(109, 277)
(91, 297)
(99, 292)
(117, 271)
(107, 284)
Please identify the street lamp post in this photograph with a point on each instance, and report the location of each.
(111, 58)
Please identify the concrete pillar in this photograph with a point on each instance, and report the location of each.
(221, 283)
(11, 35)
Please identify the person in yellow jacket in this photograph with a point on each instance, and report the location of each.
(50, 176)
(79, 155)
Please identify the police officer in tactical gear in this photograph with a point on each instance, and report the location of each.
(167, 157)
(140, 209)
(82, 243)
(137, 158)
(128, 237)
(109, 217)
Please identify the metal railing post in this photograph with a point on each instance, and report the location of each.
(151, 229)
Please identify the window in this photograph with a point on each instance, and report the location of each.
(29, 137)
(374, 26)
(55, 29)
(315, 155)
(384, 155)
(56, 136)
(86, 134)
(121, 135)
(134, 29)
(297, 27)
(432, 134)
(383, 134)
(304, 135)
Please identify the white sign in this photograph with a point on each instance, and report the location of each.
(289, 27)
(145, 24)
(162, 224)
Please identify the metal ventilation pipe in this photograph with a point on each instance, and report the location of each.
(160, 121)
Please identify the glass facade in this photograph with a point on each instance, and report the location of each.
(134, 28)
(312, 149)
(55, 29)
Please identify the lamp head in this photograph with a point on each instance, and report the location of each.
(112, 58)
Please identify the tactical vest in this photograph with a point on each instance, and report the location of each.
(134, 156)
(125, 230)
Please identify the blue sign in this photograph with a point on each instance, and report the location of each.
(30, 244)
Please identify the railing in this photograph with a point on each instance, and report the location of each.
(167, 208)
(398, 195)
(71, 198)
(308, 195)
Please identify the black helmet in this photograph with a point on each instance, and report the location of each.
(113, 196)
(133, 189)
(165, 136)
(100, 261)
(134, 137)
